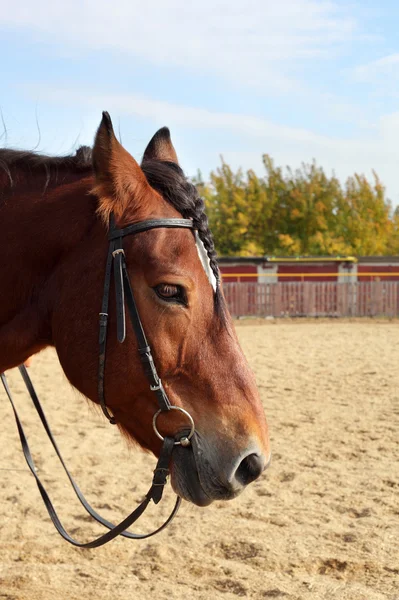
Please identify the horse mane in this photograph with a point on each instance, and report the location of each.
(33, 163)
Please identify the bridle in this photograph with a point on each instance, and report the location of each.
(123, 291)
(116, 264)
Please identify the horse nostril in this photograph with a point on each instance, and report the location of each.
(250, 468)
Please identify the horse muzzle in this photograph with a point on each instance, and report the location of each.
(202, 474)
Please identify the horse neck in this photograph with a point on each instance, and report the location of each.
(38, 229)
(62, 215)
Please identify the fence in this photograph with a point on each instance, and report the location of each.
(313, 299)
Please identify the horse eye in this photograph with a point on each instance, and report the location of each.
(171, 293)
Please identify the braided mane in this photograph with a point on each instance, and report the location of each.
(169, 180)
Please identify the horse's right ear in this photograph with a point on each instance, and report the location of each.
(120, 182)
(102, 150)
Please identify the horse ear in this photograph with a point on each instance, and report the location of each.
(103, 145)
(120, 182)
(161, 147)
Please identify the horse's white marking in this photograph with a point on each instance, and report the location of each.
(204, 258)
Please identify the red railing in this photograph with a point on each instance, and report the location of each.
(313, 299)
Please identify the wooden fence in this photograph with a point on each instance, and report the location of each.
(313, 299)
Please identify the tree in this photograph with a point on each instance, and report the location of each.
(301, 212)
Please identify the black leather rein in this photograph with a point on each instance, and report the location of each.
(115, 263)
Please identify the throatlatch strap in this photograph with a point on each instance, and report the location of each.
(115, 530)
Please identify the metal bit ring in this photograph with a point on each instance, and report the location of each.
(186, 437)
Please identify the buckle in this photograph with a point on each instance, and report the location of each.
(118, 251)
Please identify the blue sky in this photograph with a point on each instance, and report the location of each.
(298, 79)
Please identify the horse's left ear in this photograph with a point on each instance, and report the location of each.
(161, 147)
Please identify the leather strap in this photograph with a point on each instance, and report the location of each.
(154, 493)
(123, 289)
(116, 261)
(119, 259)
(114, 232)
(144, 347)
(103, 330)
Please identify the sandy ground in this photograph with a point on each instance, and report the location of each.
(322, 523)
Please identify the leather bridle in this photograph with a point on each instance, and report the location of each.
(123, 291)
(116, 263)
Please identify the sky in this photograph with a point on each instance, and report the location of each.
(296, 79)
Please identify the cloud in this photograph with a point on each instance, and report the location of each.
(376, 69)
(258, 43)
(381, 76)
(289, 48)
(288, 145)
(179, 115)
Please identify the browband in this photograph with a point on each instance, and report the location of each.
(115, 233)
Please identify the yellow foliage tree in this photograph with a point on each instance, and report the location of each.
(301, 212)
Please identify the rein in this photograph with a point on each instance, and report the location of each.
(116, 263)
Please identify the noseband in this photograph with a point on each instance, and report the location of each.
(116, 264)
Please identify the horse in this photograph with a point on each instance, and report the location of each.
(55, 215)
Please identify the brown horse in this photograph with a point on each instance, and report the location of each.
(54, 215)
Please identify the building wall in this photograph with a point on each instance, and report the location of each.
(267, 273)
(386, 267)
(259, 270)
(250, 271)
(315, 272)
